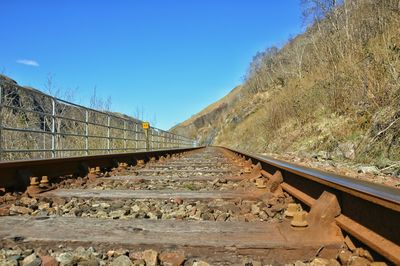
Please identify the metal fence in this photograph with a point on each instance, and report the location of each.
(36, 125)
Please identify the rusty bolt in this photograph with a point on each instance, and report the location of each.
(247, 170)
(44, 180)
(261, 183)
(299, 219)
(34, 181)
(292, 209)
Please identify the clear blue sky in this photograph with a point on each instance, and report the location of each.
(169, 58)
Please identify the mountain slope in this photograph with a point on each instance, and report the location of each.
(334, 89)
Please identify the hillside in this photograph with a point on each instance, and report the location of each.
(335, 89)
(205, 124)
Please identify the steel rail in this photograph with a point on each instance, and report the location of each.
(14, 175)
(369, 212)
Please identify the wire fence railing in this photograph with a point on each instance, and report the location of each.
(35, 125)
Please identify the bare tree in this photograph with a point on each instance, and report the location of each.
(98, 103)
(316, 10)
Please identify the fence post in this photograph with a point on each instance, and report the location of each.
(1, 122)
(158, 139)
(124, 136)
(164, 140)
(147, 139)
(108, 133)
(136, 136)
(53, 128)
(86, 132)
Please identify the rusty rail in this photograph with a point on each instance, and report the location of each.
(369, 212)
(14, 175)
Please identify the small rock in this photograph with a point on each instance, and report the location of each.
(65, 258)
(178, 201)
(263, 215)
(12, 252)
(10, 262)
(347, 150)
(135, 208)
(324, 155)
(152, 216)
(110, 253)
(344, 256)
(101, 214)
(28, 201)
(200, 263)
(140, 262)
(255, 209)
(9, 197)
(31, 260)
(256, 263)
(4, 211)
(58, 201)
(319, 262)
(300, 263)
(223, 180)
(48, 261)
(117, 214)
(19, 210)
(277, 207)
(333, 262)
(363, 253)
(121, 261)
(358, 261)
(120, 252)
(207, 216)
(172, 258)
(43, 205)
(368, 170)
(136, 255)
(150, 257)
(88, 261)
(105, 205)
(27, 252)
(222, 217)
(215, 181)
(250, 217)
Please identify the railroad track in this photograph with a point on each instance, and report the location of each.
(203, 206)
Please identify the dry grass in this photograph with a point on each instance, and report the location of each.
(339, 82)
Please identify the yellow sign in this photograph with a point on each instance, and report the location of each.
(145, 125)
